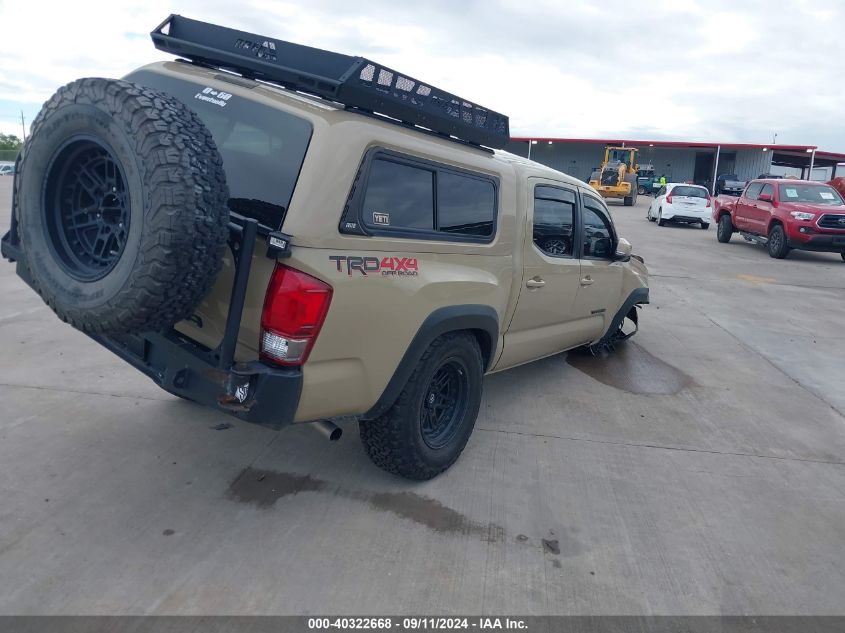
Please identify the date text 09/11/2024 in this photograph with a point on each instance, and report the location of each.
(417, 623)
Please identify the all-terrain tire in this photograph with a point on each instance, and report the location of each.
(397, 441)
(724, 229)
(122, 207)
(777, 246)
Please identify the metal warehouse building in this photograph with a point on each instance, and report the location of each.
(683, 161)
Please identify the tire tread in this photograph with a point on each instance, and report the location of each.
(186, 218)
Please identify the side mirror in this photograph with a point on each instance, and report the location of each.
(765, 197)
(623, 250)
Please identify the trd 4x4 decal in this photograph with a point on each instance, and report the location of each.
(386, 266)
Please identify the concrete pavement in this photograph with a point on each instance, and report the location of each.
(699, 470)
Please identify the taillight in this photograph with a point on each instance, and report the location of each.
(669, 198)
(708, 200)
(295, 307)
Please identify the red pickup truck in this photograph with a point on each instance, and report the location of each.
(784, 214)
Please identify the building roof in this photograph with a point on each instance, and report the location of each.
(642, 143)
(793, 149)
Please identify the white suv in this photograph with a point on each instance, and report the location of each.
(679, 202)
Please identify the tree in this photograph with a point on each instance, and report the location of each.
(9, 141)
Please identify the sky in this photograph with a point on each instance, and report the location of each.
(677, 69)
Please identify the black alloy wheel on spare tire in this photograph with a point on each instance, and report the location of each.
(122, 207)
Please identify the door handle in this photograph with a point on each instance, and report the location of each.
(586, 281)
(536, 282)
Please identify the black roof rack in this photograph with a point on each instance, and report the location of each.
(356, 82)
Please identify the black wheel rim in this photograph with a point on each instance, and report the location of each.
(556, 247)
(86, 208)
(444, 404)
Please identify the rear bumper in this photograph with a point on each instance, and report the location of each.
(252, 391)
(704, 217)
(687, 215)
(825, 243)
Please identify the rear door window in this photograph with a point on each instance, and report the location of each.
(554, 220)
(262, 148)
(753, 190)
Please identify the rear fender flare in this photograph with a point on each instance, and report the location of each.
(482, 320)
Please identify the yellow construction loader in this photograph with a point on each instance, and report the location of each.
(617, 177)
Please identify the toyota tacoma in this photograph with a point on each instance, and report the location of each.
(291, 235)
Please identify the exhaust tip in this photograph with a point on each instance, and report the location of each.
(328, 429)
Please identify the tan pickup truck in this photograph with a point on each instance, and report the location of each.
(363, 249)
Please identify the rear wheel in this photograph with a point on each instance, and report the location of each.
(777, 245)
(660, 220)
(428, 426)
(641, 190)
(725, 229)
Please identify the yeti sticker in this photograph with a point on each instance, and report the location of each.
(381, 218)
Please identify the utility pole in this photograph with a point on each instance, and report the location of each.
(23, 127)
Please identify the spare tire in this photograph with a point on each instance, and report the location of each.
(121, 207)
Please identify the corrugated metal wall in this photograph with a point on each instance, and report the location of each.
(678, 163)
(750, 163)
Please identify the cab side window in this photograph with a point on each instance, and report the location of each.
(768, 189)
(409, 197)
(399, 195)
(597, 233)
(554, 217)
